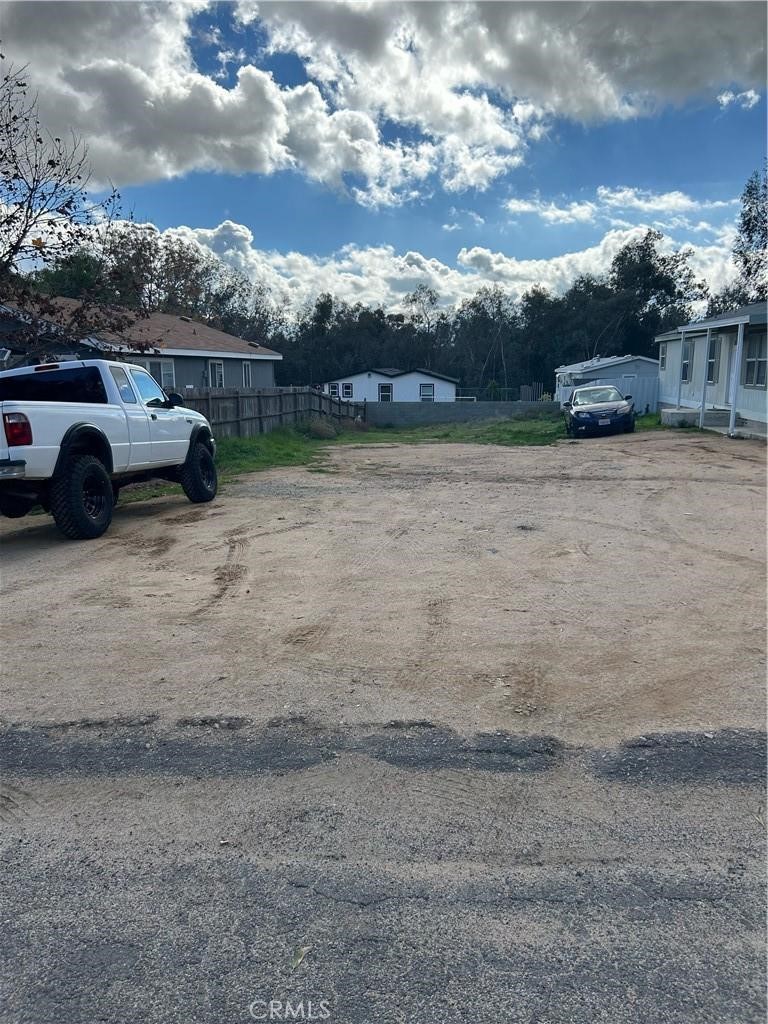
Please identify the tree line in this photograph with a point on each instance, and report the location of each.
(55, 242)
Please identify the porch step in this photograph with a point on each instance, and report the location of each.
(716, 418)
(690, 417)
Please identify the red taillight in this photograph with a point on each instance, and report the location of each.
(17, 428)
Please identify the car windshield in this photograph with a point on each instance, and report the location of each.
(593, 396)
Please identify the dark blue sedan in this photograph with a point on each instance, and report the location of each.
(599, 410)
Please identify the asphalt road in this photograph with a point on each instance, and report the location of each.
(196, 871)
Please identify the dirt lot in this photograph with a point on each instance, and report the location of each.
(438, 734)
(592, 590)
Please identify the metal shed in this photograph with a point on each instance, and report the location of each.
(634, 375)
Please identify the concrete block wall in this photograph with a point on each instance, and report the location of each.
(414, 414)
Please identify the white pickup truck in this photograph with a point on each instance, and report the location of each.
(75, 432)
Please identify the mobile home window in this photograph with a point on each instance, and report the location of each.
(346, 390)
(385, 392)
(663, 355)
(755, 361)
(426, 392)
(685, 366)
(246, 374)
(713, 360)
(216, 374)
(333, 390)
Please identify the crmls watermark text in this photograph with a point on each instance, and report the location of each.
(276, 1009)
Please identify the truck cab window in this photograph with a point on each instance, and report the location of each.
(149, 390)
(120, 378)
(63, 384)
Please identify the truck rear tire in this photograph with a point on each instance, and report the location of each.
(81, 498)
(198, 475)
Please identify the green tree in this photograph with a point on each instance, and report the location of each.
(72, 276)
(46, 216)
(750, 250)
(422, 306)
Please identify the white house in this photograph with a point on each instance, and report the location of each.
(632, 375)
(718, 365)
(389, 385)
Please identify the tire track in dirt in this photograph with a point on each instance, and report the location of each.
(192, 516)
(232, 571)
(153, 547)
(284, 529)
(311, 636)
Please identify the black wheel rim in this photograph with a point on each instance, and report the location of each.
(207, 472)
(95, 496)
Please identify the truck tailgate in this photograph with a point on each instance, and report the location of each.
(50, 421)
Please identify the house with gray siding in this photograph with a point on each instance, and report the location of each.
(718, 367)
(182, 353)
(179, 352)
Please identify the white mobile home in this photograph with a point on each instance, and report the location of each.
(632, 375)
(390, 385)
(718, 367)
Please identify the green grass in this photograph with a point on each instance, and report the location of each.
(290, 446)
(502, 432)
(238, 455)
(650, 422)
(284, 447)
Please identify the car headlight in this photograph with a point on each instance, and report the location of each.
(624, 409)
(582, 415)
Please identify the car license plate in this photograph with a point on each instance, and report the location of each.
(604, 423)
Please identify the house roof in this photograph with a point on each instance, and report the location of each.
(754, 313)
(177, 335)
(601, 363)
(669, 336)
(390, 371)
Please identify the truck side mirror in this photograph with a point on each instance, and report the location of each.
(174, 399)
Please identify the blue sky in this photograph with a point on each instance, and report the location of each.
(366, 148)
(285, 211)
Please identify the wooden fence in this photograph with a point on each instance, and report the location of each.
(234, 412)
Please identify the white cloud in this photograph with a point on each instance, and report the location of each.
(550, 213)
(471, 86)
(746, 100)
(609, 200)
(378, 275)
(587, 61)
(650, 202)
(556, 273)
(452, 227)
(686, 224)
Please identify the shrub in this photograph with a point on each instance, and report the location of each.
(322, 428)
